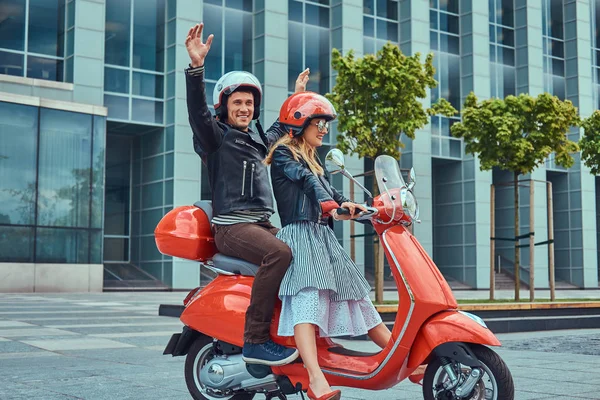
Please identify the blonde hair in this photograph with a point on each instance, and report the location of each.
(300, 150)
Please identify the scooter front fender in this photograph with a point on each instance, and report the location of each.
(445, 327)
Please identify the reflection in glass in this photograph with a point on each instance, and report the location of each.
(449, 74)
(317, 16)
(243, 5)
(238, 41)
(449, 5)
(117, 186)
(509, 81)
(449, 23)
(45, 68)
(449, 43)
(62, 246)
(295, 62)
(116, 249)
(558, 86)
(295, 11)
(433, 19)
(118, 15)
(147, 111)
(46, 27)
(369, 27)
(64, 168)
(152, 195)
(506, 15)
(317, 59)
(70, 42)
(96, 247)
(12, 27)
(18, 147)
(213, 25)
(16, 243)
(98, 155)
(118, 107)
(149, 34)
(387, 30)
(148, 85)
(11, 63)
(116, 80)
(387, 9)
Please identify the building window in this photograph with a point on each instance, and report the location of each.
(444, 29)
(553, 47)
(231, 23)
(502, 48)
(380, 24)
(35, 38)
(51, 185)
(309, 44)
(134, 58)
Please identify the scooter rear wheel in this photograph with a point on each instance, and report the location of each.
(495, 384)
(199, 354)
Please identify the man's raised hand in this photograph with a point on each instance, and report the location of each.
(195, 48)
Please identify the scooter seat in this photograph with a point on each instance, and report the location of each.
(234, 265)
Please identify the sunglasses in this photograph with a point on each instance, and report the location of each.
(322, 126)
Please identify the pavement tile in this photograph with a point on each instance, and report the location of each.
(145, 333)
(76, 344)
(537, 360)
(13, 324)
(21, 332)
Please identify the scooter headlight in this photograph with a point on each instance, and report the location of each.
(475, 318)
(410, 205)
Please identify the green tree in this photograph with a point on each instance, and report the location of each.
(590, 142)
(378, 97)
(518, 134)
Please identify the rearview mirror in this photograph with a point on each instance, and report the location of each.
(412, 179)
(334, 161)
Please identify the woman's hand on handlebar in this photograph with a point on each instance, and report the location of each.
(353, 209)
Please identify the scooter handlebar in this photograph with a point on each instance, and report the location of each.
(363, 215)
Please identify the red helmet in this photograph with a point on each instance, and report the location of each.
(300, 108)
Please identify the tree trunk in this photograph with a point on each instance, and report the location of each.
(378, 260)
(517, 258)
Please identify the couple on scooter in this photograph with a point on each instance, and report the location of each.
(303, 263)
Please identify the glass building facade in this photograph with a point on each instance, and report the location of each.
(51, 185)
(95, 145)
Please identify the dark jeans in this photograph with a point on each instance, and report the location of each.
(256, 243)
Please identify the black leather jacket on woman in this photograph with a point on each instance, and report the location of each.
(300, 194)
(238, 178)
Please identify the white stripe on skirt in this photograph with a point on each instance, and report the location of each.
(319, 261)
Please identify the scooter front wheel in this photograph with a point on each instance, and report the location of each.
(201, 351)
(495, 382)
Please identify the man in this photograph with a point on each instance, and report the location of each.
(241, 191)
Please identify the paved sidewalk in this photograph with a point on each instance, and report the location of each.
(591, 294)
(109, 346)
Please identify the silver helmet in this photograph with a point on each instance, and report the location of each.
(229, 83)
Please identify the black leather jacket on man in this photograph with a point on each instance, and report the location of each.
(300, 194)
(236, 173)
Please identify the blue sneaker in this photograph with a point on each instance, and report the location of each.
(268, 353)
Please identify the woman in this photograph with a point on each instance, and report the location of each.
(322, 287)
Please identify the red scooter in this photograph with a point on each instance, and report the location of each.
(428, 330)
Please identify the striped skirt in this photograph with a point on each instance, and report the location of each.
(323, 286)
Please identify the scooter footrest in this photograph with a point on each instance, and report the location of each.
(351, 353)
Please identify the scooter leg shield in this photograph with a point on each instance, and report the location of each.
(448, 327)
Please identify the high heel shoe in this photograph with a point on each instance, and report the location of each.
(334, 395)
